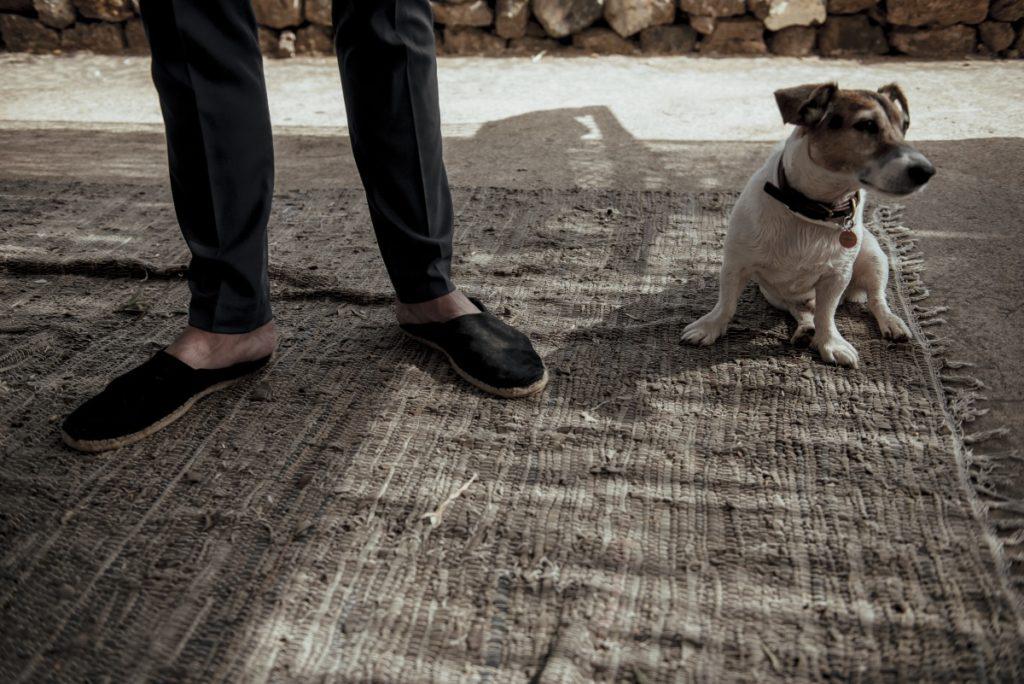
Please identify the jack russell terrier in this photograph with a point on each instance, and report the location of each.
(797, 229)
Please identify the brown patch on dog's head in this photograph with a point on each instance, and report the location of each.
(805, 105)
(896, 97)
(854, 131)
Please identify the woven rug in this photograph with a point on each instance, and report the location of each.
(660, 513)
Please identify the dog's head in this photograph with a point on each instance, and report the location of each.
(859, 133)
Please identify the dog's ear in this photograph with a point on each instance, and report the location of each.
(805, 105)
(895, 93)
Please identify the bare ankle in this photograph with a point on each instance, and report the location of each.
(437, 310)
(203, 349)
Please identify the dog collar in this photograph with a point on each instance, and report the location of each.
(839, 214)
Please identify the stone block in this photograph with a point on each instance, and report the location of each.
(314, 40)
(713, 8)
(475, 13)
(1006, 10)
(935, 12)
(276, 14)
(943, 42)
(511, 18)
(55, 13)
(794, 41)
(628, 17)
(996, 35)
(851, 36)
(465, 40)
(784, 13)
(677, 39)
(736, 37)
(99, 37)
(22, 34)
(318, 12)
(135, 38)
(561, 18)
(602, 41)
(106, 10)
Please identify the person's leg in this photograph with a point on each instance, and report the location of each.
(389, 76)
(208, 73)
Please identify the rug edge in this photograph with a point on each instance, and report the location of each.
(958, 394)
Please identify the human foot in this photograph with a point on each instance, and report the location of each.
(153, 395)
(487, 352)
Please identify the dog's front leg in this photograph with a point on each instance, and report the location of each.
(709, 327)
(832, 347)
(870, 274)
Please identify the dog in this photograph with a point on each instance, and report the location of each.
(798, 228)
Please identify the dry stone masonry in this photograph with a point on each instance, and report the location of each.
(830, 28)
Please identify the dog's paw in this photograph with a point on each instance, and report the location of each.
(704, 331)
(802, 336)
(837, 350)
(893, 328)
(858, 296)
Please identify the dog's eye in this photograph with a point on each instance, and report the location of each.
(867, 126)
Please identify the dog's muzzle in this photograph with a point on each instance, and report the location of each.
(900, 172)
(920, 170)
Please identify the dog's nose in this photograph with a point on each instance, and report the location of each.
(920, 172)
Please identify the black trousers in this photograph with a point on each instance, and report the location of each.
(209, 75)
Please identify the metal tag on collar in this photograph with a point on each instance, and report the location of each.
(848, 238)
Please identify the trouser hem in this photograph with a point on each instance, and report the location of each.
(229, 320)
(424, 293)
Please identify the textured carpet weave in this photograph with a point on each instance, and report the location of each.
(660, 513)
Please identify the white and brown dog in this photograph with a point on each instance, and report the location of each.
(797, 228)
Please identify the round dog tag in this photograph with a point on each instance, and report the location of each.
(847, 238)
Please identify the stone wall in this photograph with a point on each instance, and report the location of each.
(831, 28)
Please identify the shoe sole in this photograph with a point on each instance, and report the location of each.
(94, 446)
(504, 392)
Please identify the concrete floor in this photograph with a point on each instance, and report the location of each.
(665, 98)
(615, 122)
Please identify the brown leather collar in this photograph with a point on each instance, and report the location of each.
(840, 213)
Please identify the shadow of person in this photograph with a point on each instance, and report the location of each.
(588, 147)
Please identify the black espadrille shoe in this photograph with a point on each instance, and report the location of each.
(145, 400)
(486, 352)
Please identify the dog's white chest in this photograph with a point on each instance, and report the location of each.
(794, 256)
